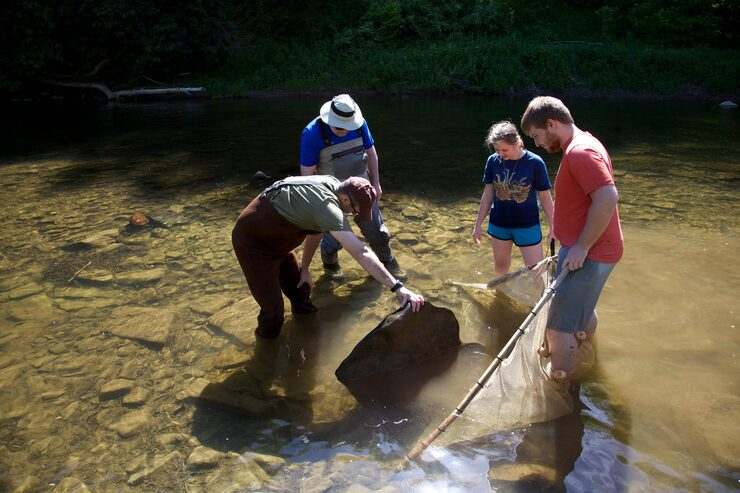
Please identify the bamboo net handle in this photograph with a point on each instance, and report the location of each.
(486, 375)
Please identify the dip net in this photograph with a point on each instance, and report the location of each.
(520, 391)
(515, 390)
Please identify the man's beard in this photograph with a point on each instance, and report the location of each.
(552, 143)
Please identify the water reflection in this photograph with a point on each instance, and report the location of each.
(660, 415)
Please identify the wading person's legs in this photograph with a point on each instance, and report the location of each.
(262, 273)
(377, 236)
(329, 248)
(290, 276)
(531, 254)
(263, 242)
(529, 241)
(501, 255)
(573, 311)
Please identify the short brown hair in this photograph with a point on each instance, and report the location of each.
(503, 131)
(543, 108)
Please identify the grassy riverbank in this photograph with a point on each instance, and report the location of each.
(507, 66)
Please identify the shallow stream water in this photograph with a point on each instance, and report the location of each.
(81, 407)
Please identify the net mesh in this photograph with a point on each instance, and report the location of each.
(519, 392)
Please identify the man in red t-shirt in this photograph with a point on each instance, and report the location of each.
(586, 222)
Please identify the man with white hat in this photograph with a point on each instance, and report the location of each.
(338, 143)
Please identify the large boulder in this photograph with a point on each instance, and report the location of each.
(405, 350)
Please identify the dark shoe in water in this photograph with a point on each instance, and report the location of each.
(303, 307)
(267, 333)
(333, 271)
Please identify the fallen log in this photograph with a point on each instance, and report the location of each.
(135, 94)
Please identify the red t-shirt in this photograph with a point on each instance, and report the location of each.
(586, 166)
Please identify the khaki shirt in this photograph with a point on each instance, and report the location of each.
(309, 202)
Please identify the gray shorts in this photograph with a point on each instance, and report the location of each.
(575, 300)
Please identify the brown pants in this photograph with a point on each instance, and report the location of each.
(264, 242)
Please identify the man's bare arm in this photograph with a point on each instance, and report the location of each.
(603, 203)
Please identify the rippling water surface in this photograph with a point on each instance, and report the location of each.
(82, 405)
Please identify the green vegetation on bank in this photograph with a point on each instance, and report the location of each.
(508, 65)
(686, 47)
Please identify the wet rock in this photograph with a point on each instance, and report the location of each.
(141, 276)
(422, 248)
(95, 276)
(38, 308)
(42, 362)
(330, 403)
(136, 397)
(130, 369)
(76, 293)
(209, 304)
(131, 423)
(204, 457)
(10, 375)
(136, 464)
(107, 416)
(260, 179)
(138, 218)
(90, 304)
(316, 483)
(52, 394)
(407, 238)
(271, 464)
(41, 447)
(162, 467)
(71, 485)
(58, 349)
(532, 477)
(70, 364)
(237, 321)
(71, 410)
(240, 392)
(24, 291)
(193, 389)
(172, 439)
(357, 488)
(235, 475)
(231, 357)
(29, 484)
(100, 239)
(144, 324)
(115, 388)
(413, 213)
(406, 348)
(7, 361)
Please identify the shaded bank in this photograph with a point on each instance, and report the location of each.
(509, 65)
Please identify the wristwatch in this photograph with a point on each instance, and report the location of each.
(396, 286)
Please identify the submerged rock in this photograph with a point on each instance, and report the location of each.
(71, 485)
(145, 324)
(241, 392)
(115, 388)
(131, 423)
(203, 457)
(539, 477)
(260, 179)
(141, 276)
(162, 468)
(406, 348)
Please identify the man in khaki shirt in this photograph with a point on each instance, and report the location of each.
(294, 211)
